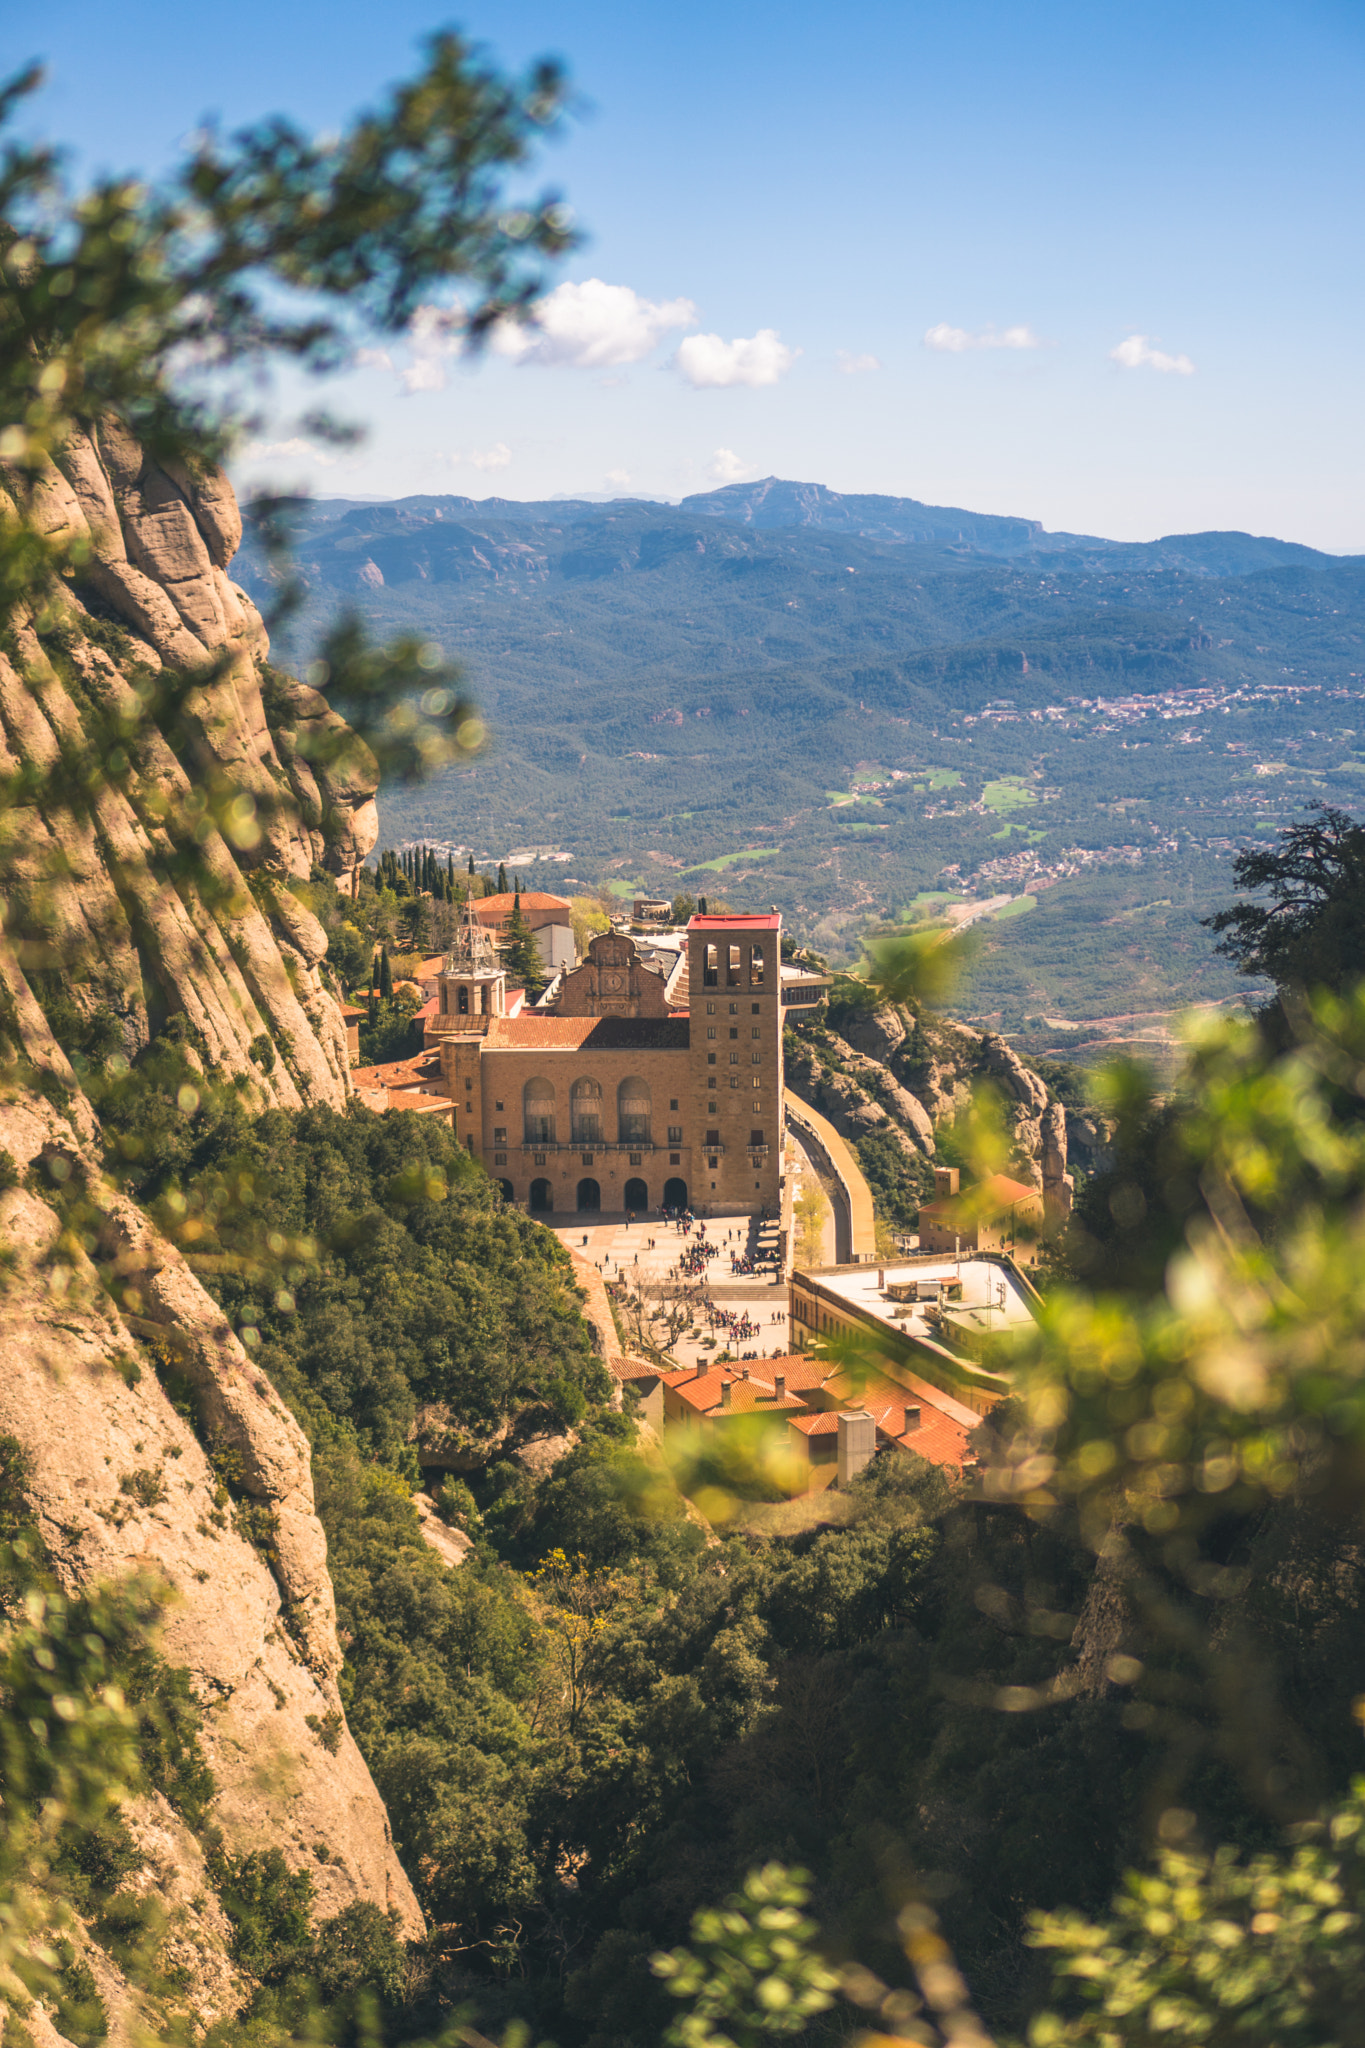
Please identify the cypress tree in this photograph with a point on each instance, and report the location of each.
(450, 875)
(471, 863)
(372, 995)
(385, 977)
(502, 879)
(524, 963)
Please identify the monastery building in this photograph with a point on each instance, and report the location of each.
(626, 1094)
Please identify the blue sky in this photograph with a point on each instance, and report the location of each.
(786, 200)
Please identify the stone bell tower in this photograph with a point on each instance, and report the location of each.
(472, 988)
(735, 1056)
(473, 982)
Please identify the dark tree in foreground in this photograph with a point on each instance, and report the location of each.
(1310, 932)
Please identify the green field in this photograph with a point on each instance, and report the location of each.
(1008, 793)
(733, 860)
(1017, 908)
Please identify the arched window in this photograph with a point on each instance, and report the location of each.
(464, 1002)
(538, 1108)
(585, 1105)
(632, 1110)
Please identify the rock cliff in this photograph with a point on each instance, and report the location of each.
(160, 887)
(261, 786)
(881, 1072)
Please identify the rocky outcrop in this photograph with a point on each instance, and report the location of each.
(1058, 1186)
(879, 1033)
(1090, 1139)
(452, 1546)
(182, 791)
(261, 785)
(215, 1504)
(882, 1072)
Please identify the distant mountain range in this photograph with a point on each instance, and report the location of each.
(774, 505)
(843, 704)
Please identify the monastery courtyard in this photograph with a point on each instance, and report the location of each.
(647, 1252)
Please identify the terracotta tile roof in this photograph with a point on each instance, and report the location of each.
(987, 1198)
(594, 1034)
(408, 1073)
(489, 909)
(424, 1105)
(824, 1423)
(940, 1441)
(945, 1424)
(800, 1370)
(702, 1392)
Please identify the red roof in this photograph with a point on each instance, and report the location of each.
(984, 1198)
(408, 1073)
(825, 1423)
(488, 908)
(945, 1424)
(752, 1396)
(767, 921)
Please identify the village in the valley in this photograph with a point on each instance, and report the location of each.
(719, 1225)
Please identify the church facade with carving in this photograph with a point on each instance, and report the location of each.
(637, 1091)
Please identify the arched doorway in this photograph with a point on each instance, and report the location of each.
(509, 1193)
(589, 1196)
(637, 1195)
(675, 1194)
(542, 1201)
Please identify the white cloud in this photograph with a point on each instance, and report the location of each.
(620, 477)
(372, 359)
(707, 362)
(592, 326)
(295, 450)
(725, 467)
(853, 366)
(1137, 353)
(956, 341)
(496, 457)
(433, 337)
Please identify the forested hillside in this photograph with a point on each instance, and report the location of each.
(847, 705)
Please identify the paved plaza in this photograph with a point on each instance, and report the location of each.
(646, 1256)
(647, 1253)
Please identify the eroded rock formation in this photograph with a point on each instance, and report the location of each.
(882, 1073)
(90, 879)
(161, 887)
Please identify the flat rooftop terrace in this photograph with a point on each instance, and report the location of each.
(993, 1300)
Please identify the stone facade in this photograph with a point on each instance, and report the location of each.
(612, 982)
(620, 1107)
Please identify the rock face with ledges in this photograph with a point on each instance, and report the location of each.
(122, 1482)
(123, 902)
(239, 956)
